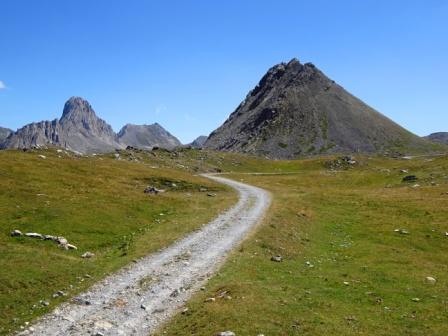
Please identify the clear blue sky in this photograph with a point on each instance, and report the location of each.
(188, 64)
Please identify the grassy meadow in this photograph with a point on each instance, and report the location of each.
(98, 204)
(345, 269)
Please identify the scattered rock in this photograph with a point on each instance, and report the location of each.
(410, 178)
(403, 171)
(430, 280)
(34, 235)
(58, 294)
(346, 283)
(16, 233)
(184, 311)
(416, 299)
(71, 247)
(277, 258)
(225, 333)
(42, 156)
(61, 241)
(152, 190)
(211, 195)
(87, 255)
(44, 303)
(402, 231)
(212, 299)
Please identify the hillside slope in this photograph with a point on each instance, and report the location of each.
(296, 110)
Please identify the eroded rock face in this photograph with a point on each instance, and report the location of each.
(147, 137)
(78, 129)
(296, 110)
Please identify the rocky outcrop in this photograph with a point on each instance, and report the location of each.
(440, 137)
(296, 110)
(147, 137)
(79, 129)
(199, 141)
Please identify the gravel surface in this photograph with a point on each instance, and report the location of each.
(138, 298)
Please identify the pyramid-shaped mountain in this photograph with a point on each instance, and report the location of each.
(296, 110)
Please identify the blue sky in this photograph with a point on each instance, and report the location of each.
(188, 64)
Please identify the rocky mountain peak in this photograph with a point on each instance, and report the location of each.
(78, 110)
(297, 110)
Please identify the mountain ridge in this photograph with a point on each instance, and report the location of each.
(80, 129)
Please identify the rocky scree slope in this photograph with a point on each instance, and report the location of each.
(296, 110)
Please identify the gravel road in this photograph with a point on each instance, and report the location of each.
(138, 298)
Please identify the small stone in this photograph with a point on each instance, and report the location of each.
(42, 156)
(212, 299)
(346, 283)
(45, 303)
(61, 241)
(403, 171)
(87, 255)
(211, 195)
(410, 178)
(277, 258)
(34, 235)
(142, 306)
(16, 233)
(416, 299)
(226, 333)
(185, 310)
(430, 280)
(71, 247)
(402, 231)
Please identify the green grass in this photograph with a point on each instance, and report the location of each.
(98, 204)
(364, 275)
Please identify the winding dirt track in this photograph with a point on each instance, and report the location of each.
(138, 298)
